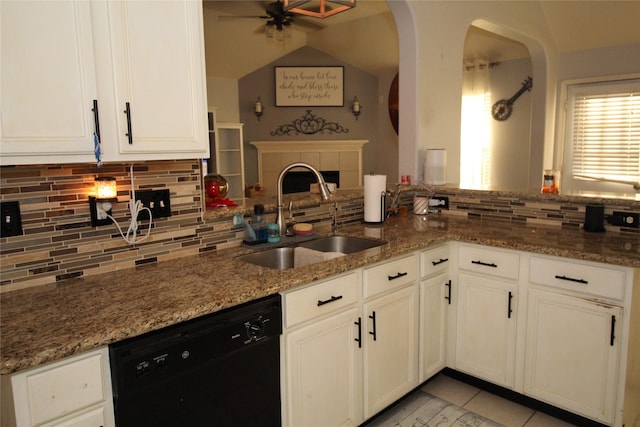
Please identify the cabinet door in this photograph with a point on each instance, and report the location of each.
(48, 81)
(572, 353)
(323, 373)
(230, 157)
(433, 305)
(486, 329)
(391, 348)
(157, 49)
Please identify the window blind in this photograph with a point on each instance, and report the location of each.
(606, 136)
(605, 128)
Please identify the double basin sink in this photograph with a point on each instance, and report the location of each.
(309, 252)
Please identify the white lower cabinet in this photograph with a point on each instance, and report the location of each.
(551, 328)
(572, 353)
(390, 349)
(487, 313)
(577, 333)
(346, 357)
(72, 392)
(486, 329)
(434, 294)
(435, 298)
(323, 372)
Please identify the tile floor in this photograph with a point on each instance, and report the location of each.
(496, 408)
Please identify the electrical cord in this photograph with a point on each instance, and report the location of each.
(132, 231)
(135, 207)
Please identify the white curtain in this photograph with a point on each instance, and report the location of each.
(475, 132)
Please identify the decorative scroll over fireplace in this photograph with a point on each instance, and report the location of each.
(342, 156)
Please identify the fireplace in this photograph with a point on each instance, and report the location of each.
(299, 181)
(341, 156)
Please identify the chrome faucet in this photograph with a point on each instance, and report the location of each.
(324, 191)
(334, 225)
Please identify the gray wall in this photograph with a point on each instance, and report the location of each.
(356, 83)
(511, 139)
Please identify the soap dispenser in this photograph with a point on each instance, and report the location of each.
(259, 227)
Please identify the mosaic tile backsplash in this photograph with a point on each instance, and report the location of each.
(59, 242)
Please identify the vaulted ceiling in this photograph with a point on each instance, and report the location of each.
(366, 36)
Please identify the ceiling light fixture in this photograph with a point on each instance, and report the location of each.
(318, 8)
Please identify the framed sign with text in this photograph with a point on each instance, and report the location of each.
(309, 86)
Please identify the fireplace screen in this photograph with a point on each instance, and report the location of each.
(299, 181)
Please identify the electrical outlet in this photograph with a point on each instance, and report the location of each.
(11, 220)
(625, 219)
(158, 201)
(440, 202)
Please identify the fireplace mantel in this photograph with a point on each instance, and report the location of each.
(344, 156)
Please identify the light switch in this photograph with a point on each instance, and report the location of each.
(11, 221)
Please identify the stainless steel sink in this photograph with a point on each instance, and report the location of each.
(285, 257)
(344, 244)
(277, 258)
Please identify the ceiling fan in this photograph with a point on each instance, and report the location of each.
(277, 16)
(278, 19)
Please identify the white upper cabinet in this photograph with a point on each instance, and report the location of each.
(157, 49)
(47, 81)
(143, 57)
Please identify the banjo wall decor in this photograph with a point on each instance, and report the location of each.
(502, 109)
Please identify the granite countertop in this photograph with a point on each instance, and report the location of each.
(49, 322)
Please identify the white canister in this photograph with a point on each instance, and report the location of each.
(420, 205)
(435, 166)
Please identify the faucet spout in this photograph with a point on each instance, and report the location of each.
(324, 191)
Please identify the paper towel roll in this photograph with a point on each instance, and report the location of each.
(435, 166)
(374, 187)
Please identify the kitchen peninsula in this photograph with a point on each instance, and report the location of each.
(49, 322)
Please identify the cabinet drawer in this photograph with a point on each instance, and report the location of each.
(434, 261)
(390, 275)
(491, 261)
(93, 418)
(578, 277)
(322, 298)
(65, 388)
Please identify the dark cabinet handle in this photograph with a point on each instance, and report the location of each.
(509, 310)
(613, 330)
(332, 299)
(485, 264)
(448, 297)
(397, 276)
(439, 262)
(127, 111)
(373, 317)
(571, 279)
(96, 118)
(359, 324)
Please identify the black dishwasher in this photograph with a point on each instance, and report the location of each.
(218, 370)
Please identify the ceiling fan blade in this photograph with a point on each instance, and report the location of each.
(225, 17)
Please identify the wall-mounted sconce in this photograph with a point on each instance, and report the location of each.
(356, 107)
(258, 109)
(100, 204)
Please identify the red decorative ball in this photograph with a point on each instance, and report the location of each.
(216, 186)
